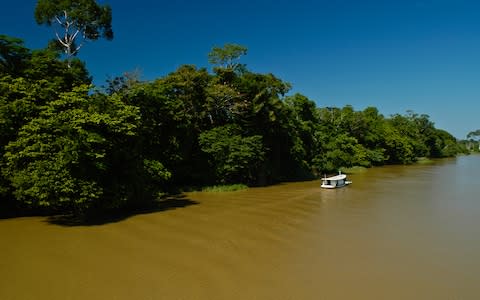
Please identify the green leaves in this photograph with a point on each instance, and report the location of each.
(60, 158)
(76, 20)
(156, 170)
(67, 149)
(235, 158)
(13, 55)
(342, 151)
(474, 135)
(227, 56)
(86, 15)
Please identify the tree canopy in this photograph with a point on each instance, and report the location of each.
(227, 56)
(474, 134)
(68, 147)
(13, 55)
(75, 22)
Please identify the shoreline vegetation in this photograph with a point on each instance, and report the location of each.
(424, 161)
(224, 188)
(354, 170)
(67, 146)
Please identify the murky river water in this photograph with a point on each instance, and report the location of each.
(396, 233)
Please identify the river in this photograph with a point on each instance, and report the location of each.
(398, 232)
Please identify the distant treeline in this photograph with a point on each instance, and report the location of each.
(68, 146)
(472, 143)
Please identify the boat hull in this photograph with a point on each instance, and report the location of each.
(334, 182)
(330, 186)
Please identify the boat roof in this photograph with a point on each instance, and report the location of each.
(337, 177)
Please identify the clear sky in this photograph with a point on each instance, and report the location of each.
(395, 55)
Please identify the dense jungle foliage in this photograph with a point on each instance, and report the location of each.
(67, 146)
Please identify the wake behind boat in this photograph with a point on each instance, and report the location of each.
(333, 182)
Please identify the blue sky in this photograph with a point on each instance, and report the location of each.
(395, 55)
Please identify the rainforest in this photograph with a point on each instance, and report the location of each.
(67, 145)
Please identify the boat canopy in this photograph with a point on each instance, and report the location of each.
(337, 177)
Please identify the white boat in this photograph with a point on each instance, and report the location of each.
(334, 182)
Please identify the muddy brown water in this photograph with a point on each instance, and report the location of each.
(399, 232)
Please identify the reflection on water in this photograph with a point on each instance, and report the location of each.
(395, 233)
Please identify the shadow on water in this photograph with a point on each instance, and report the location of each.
(113, 216)
(9, 209)
(171, 202)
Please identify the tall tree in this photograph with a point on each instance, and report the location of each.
(304, 121)
(75, 154)
(13, 55)
(75, 22)
(233, 157)
(474, 135)
(227, 56)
